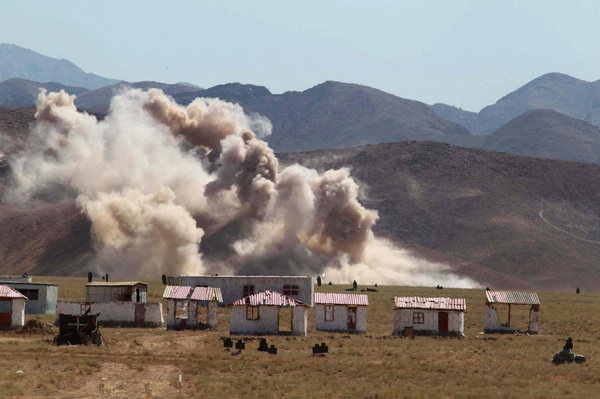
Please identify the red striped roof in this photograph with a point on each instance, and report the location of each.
(416, 302)
(207, 294)
(268, 297)
(8, 292)
(329, 298)
(194, 294)
(177, 292)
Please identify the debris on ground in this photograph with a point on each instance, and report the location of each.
(35, 327)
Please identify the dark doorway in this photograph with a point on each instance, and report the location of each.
(352, 318)
(443, 321)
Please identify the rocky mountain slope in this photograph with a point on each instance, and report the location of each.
(555, 91)
(18, 62)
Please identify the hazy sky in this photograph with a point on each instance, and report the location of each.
(463, 53)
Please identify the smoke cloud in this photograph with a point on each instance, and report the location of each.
(159, 180)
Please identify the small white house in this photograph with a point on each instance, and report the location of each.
(12, 308)
(120, 304)
(341, 312)
(259, 314)
(184, 305)
(496, 298)
(424, 316)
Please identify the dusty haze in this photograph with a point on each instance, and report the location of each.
(156, 178)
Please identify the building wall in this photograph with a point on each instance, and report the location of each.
(534, 319)
(404, 318)
(340, 319)
(299, 320)
(116, 313)
(232, 287)
(47, 297)
(18, 312)
(267, 323)
(116, 293)
(212, 315)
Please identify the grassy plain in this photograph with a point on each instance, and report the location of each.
(140, 363)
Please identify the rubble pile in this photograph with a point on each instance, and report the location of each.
(35, 327)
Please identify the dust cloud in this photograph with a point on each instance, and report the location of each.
(159, 181)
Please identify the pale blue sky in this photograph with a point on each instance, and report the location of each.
(463, 53)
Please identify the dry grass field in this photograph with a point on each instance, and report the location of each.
(140, 363)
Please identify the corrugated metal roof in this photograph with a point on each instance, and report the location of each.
(329, 298)
(7, 292)
(207, 294)
(195, 294)
(177, 292)
(268, 298)
(516, 298)
(114, 284)
(416, 302)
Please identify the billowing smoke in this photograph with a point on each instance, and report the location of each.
(159, 180)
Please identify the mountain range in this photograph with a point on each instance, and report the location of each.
(18, 62)
(494, 194)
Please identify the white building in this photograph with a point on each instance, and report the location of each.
(419, 315)
(341, 312)
(185, 305)
(42, 297)
(120, 291)
(495, 299)
(12, 308)
(259, 314)
(120, 304)
(301, 288)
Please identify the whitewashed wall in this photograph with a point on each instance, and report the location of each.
(212, 315)
(404, 318)
(340, 319)
(299, 320)
(534, 319)
(116, 313)
(18, 312)
(492, 325)
(267, 323)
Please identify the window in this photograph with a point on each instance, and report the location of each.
(32, 295)
(328, 312)
(251, 312)
(418, 318)
(248, 290)
(290, 290)
(181, 310)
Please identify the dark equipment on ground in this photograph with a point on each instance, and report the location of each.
(239, 345)
(228, 343)
(566, 355)
(272, 350)
(263, 346)
(78, 330)
(319, 349)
